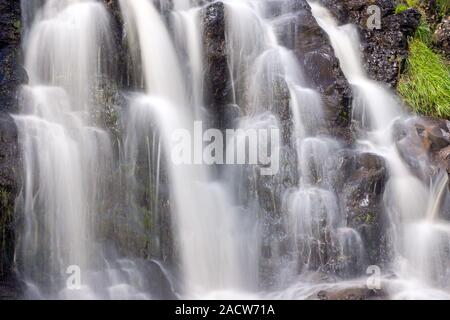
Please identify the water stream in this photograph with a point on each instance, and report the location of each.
(135, 223)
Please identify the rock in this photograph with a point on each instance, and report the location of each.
(9, 188)
(313, 48)
(10, 289)
(441, 37)
(432, 10)
(352, 293)
(362, 196)
(384, 50)
(11, 76)
(11, 73)
(411, 149)
(434, 135)
(218, 88)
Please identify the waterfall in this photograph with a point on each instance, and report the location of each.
(125, 195)
(67, 158)
(207, 231)
(419, 243)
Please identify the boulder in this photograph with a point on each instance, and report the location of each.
(218, 88)
(362, 197)
(441, 37)
(352, 293)
(321, 67)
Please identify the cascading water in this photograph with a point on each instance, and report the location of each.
(206, 227)
(419, 238)
(66, 157)
(108, 202)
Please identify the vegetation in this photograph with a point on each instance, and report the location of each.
(400, 8)
(425, 86)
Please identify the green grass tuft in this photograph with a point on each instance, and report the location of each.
(443, 7)
(426, 84)
(400, 8)
(424, 33)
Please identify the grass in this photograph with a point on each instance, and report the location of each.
(400, 8)
(426, 84)
(443, 7)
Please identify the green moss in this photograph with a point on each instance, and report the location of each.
(426, 84)
(400, 8)
(366, 218)
(17, 24)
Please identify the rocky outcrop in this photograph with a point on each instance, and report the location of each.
(11, 73)
(386, 49)
(321, 67)
(441, 37)
(362, 195)
(9, 154)
(435, 137)
(11, 76)
(218, 88)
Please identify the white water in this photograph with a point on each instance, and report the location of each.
(234, 235)
(207, 233)
(66, 158)
(419, 239)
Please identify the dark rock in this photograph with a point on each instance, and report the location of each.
(11, 76)
(11, 73)
(9, 188)
(362, 197)
(385, 50)
(11, 289)
(313, 48)
(441, 37)
(352, 293)
(218, 89)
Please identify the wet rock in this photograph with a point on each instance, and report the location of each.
(411, 149)
(434, 135)
(363, 199)
(10, 289)
(9, 188)
(11, 76)
(385, 50)
(218, 89)
(11, 73)
(352, 293)
(441, 37)
(321, 67)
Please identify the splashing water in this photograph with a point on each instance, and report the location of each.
(110, 204)
(420, 241)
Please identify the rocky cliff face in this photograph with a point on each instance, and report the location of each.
(11, 76)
